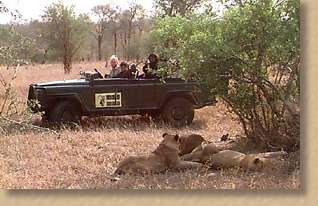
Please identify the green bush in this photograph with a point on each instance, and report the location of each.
(257, 45)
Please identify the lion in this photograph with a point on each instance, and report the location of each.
(202, 153)
(211, 154)
(189, 143)
(230, 158)
(164, 157)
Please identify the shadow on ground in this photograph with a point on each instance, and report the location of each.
(135, 122)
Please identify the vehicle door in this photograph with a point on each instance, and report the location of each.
(117, 95)
(146, 94)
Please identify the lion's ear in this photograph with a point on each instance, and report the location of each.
(176, 137)
(164, 134)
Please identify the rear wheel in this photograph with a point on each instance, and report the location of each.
(178, 112)
(65, 112)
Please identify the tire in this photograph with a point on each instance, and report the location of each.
(64, 112)
(178, 112)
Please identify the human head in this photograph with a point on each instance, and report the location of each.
(114, 61)
(124, 65)
(133, 67)
(153, 58)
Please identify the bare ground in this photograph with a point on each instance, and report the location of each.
(86, 157)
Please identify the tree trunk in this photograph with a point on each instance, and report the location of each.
(128, 40)
(67, 58)
(170, 10)
(115, 42)
(99, 44)
(67, 61)
(44, 56)
(124, 44)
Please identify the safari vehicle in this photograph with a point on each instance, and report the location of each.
(173, 99)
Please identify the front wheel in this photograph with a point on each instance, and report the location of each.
(64, 112)
(178, 112)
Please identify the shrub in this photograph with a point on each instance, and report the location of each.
(257, 46)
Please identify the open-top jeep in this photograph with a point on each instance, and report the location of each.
(173, 99)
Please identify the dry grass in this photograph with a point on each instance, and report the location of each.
(86, 157)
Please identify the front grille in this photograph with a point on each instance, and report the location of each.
(32, 99)
(31, 94)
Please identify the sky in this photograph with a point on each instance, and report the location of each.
(33, 9)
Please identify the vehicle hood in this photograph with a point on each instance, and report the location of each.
(73, 82)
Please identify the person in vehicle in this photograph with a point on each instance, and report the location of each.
(125, 71)
(115, 69)
(151, 66)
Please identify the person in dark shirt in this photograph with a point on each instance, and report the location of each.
(151, 66)
(125, 72)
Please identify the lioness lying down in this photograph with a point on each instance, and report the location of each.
(229, 158)
(202, 153)
(188, 143)
(164, 157)
(195, 148)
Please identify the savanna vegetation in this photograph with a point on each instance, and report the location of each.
(247, 51)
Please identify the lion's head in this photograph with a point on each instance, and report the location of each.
(251, 162)
(189, 143)
(171, 140)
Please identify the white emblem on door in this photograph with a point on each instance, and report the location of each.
(103, 100)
